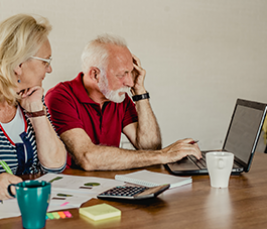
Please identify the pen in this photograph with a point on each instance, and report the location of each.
(5, 167)
(193, 142)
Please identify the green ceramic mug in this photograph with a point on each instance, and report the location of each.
(33, 198)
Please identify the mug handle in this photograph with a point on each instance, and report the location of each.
(9, 190)
(220, 163)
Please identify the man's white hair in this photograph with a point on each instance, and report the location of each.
(96, 52)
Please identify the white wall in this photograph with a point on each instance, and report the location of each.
(200, 55)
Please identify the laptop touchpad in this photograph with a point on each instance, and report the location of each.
(183, 164)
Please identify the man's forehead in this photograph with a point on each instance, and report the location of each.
(120, 56)
(119, 52)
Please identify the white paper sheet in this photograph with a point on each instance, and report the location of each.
(67, 192)
(9, 208)
(71, 200)
(80, 184)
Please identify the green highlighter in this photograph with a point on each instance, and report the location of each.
(6, 167)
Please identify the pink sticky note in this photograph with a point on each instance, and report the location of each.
(67, 214)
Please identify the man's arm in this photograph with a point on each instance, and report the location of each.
(97, 157)
(146, 133)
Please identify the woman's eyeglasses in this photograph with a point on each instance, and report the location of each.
(47, 61)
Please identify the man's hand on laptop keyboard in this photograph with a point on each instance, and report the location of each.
(179, 150)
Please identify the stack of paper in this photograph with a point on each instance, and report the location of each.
(152, 179)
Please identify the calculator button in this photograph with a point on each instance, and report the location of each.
(123, 191)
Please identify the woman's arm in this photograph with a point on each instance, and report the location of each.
(51, 151)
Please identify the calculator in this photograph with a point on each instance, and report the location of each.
(133, 192)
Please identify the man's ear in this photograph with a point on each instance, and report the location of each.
(18, 70)
(94, 73)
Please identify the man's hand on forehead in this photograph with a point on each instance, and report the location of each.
(138, 75)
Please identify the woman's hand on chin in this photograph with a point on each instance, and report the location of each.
(31, 99)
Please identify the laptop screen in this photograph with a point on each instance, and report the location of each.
(244, 129)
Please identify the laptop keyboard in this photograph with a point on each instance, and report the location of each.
(201, 163)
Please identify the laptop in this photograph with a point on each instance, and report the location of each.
(241, 139)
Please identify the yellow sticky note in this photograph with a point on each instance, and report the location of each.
(100, 211)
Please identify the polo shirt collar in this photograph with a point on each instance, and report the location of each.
(80, 91)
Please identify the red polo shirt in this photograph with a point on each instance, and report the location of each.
(71, 107)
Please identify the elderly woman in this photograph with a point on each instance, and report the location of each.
(28, 142)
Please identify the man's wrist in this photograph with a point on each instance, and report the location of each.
(138, 91)
(141, 97)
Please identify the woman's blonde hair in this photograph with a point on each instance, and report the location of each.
(21, 36)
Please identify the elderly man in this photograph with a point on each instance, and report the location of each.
(91, 111)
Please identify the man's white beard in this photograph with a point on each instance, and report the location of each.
(112, 95)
